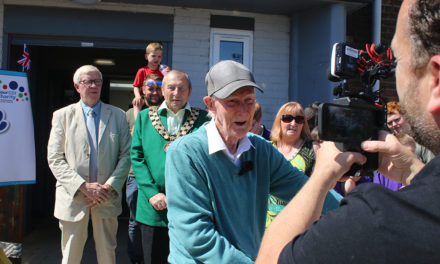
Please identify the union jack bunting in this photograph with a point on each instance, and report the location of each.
(25, 60)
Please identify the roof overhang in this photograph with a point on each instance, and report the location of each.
(281, 7)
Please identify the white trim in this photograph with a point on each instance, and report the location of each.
(244, 36)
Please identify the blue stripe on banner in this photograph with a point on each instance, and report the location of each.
(16, 183)
(13, 73)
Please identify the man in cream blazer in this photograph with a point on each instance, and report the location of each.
(89, 155)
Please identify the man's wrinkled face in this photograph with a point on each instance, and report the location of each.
(176, 91)
(413, 85)
(89, 87)
(234, 114)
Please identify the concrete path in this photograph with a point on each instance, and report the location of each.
(42, 245)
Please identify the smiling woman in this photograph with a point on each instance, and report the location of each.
(291, 136)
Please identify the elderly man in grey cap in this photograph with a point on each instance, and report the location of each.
(218, 179)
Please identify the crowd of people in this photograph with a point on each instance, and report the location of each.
(217, 186)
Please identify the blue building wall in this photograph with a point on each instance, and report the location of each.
(313, 34)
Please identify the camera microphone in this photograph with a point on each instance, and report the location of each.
(245, 167)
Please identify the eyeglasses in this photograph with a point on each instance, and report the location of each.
(151, 84)
(290, 118)
(89, 83)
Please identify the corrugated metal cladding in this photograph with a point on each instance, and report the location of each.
(71, 27)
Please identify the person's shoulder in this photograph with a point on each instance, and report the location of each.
(116, 112)
(129, 115)
(203, 114)
(373, 195)
(258, 140)
(112, 108)
(308, 147)
(191, 141)
(145, 112)
(430, 173)
(201, 111)
(67, 109)
(143, 68)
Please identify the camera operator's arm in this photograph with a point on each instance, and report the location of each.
(305, 208)
(396, 161)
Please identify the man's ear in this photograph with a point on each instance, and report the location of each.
(208, 102)
(76, 87)
(434, 85)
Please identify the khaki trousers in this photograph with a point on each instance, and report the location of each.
(74, 237)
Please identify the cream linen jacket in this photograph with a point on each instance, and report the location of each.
(68, 153)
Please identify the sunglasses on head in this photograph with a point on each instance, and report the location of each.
(151, 84)
(290, 118)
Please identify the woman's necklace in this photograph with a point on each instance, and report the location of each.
(290, 151)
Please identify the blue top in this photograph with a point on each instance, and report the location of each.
(97, 110)
(216, 215)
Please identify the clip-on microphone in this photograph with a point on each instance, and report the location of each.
(245, 167)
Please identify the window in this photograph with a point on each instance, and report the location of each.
(228, 44)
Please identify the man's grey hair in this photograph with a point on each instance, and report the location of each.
(83, 70)
(424, 24)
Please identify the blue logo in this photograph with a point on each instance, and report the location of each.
(4, 125)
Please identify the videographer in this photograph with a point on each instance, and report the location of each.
(374, 224)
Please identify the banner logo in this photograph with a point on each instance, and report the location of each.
(12, 92)
(4, 125)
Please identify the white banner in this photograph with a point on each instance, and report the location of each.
(17, 146)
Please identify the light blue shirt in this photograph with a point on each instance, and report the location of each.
(97, 109)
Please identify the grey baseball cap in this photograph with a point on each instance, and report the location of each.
(228, 76)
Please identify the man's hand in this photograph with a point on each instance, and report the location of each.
(350, 183)
(95, 193)
(158, 201)
(332, 163)
(306, 206)
(396, 161)
(138, 102)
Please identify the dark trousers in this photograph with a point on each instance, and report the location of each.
(134, 246)
(155, 244)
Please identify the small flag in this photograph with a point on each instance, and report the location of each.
(25, 60)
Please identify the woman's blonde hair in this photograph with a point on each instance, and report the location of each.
(292, 108)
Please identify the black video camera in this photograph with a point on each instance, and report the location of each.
(356, 115)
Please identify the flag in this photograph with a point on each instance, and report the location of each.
(25, 60)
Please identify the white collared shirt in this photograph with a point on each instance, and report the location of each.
(216, 143)
(174, 121)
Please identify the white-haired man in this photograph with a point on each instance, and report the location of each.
(89, 155)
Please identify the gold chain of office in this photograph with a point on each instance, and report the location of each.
(163, 132)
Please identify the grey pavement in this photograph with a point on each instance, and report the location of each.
(43, 245)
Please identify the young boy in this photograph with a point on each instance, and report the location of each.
(153, 56)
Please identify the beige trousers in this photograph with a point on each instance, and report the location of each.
(74, 237)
